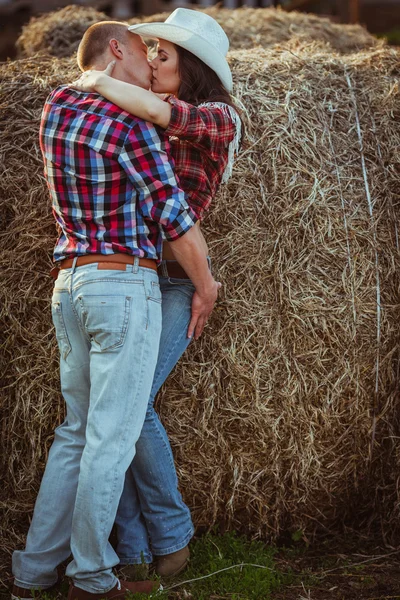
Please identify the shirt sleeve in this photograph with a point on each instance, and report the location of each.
(147, 162)
(209, 125)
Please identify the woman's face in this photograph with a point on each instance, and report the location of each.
(165, 69)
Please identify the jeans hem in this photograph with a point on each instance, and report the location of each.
(33, 586)
(135, 560)
(176, 547)
(96, 591)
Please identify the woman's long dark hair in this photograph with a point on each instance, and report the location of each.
(199, 83)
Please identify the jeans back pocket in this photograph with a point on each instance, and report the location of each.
(105, 319)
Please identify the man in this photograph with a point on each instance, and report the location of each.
(114, 193)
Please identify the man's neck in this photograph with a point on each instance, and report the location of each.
(118, 72)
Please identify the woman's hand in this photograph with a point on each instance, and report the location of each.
(90, 79)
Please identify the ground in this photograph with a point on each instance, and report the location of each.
(231, 567)
(357, 575)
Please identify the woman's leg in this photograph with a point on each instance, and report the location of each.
(151, 507)
(133, 540)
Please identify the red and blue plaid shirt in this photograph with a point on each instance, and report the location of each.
(110, 177)
(200, 138)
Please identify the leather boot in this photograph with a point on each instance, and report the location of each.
(25, 594)
(172, 564)
(34, 594)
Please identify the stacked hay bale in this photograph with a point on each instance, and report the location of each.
(283, 417)
(59, 33)
(29, 403)
(286, 415)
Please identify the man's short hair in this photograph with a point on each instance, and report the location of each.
(95, 41)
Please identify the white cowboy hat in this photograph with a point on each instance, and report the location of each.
(197, 32)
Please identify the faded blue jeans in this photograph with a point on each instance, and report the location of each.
(152, 518)
(108, 325)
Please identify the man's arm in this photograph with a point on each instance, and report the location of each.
(189, 252)
(147, 163)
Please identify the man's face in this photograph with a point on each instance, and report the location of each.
(135, 64)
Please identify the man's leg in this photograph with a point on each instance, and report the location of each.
(121, 312)
(154, 494)
(48, 541)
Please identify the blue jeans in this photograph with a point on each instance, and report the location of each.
(152, 517)
(108, 325)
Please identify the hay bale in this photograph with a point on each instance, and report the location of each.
(30, 410)
(58, 33)
(284, 415)
(250, 27)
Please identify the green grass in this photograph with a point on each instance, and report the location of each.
(213, 565)
(224, 567)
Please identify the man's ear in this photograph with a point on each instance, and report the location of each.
(115, 47)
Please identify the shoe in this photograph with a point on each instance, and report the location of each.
(133, 572)
(172, 564)
(23, 593)
(31, 594)
(120, 591)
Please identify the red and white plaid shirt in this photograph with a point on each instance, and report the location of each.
(110, 178)
(200, 138)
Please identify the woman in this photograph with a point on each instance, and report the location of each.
(205, 131)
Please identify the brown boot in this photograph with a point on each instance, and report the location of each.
(25, 594)
(33, 594)
(172, 564)
(119, 592)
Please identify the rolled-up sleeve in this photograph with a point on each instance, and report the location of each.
(207, 125)
(147, 162)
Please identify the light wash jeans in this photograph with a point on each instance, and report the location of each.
(108, 325)
(152, 517)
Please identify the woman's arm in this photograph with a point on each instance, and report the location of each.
(211, 126)
(132, 98)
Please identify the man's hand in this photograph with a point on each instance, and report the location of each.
(189, 251)
(202, 306)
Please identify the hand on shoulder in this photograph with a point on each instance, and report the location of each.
(90, 80)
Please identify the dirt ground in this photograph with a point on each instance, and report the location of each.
(351, 574)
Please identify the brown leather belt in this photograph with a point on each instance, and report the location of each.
(114, 262)
(171, 268)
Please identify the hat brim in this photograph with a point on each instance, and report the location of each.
(192, 42)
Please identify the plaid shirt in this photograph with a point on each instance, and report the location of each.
(111, 180)
(199, 138)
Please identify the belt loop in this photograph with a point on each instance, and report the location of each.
(74, 265)
(135, 265)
